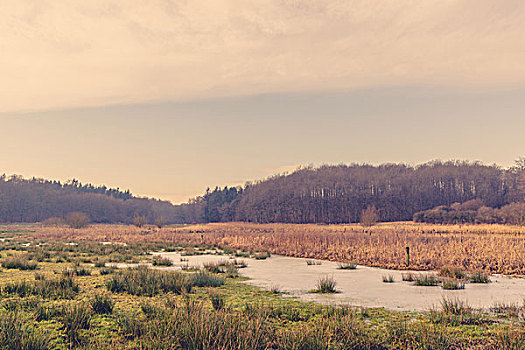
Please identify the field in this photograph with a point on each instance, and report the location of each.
(490, 248)
(59, 291)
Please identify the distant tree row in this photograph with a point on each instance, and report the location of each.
(34, 200)
(339, 194)
(327, 194)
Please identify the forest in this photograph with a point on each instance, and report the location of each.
(35, 200)
(327, 194)
(338, 194)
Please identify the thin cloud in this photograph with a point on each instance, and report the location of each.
(72, 54)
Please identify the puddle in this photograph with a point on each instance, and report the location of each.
(360, 287)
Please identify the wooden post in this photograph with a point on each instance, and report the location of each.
(408, 255)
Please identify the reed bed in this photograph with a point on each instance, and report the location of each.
(488, 248)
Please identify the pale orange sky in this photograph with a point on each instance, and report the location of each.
(169, 97)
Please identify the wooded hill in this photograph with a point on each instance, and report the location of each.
(338, 194)
(34, 200)
(326, 194)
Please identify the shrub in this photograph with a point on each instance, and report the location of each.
(214, 267)
(275, 289)
(260, 256)
(369, 216)
(231, 272)
(139, 220)
(325, 285)
(53, 221)
(160, 222)
(77, 220)
(102, 304)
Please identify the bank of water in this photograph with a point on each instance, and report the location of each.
(362, 286)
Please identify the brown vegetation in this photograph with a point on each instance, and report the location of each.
(369, 216)
(77, 220)
(489, 248)
(473, 212)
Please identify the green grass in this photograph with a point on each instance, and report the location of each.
(64, 287)
(204, 279)
(19, 262)
(102, 304)
(144, 281)
(17, 334)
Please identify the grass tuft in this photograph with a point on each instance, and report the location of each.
(346, 266)
(388, 278)
(453, 284)
(326, 285)
(427, 280)
(479, 277)
(161, 261)
(19, 262)
(102, 304)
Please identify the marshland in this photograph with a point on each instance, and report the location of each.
(262, 175)
(125, 287)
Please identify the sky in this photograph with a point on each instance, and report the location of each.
(166, 98)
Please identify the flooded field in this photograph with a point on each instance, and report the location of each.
(360, 287)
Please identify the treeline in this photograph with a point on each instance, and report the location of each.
(473, 212)
(338, 194)
(326, 194)
(34, 200)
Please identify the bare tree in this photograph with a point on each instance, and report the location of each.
(160, 222)
(139, 220)
(369, 216)
(77, 219)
